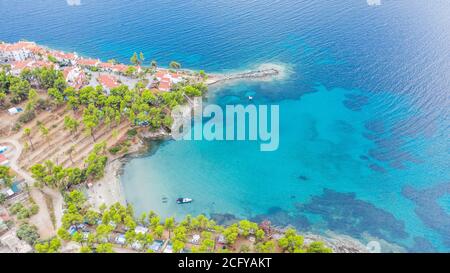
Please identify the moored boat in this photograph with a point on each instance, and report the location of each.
(184, 200)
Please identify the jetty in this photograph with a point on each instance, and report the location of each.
(248, 75)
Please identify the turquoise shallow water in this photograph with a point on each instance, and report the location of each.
(365, 126)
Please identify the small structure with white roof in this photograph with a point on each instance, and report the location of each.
(14, 110)
(75, 77)
(141, 230)
(195, 239)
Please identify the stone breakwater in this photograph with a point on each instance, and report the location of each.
(260, 74)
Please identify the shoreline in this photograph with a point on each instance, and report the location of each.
(109, 190)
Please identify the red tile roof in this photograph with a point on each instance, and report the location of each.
(3, 158)
(164, 85)
(108, 81)
(63, 55)
(87, 62)
(21, 64)
(120, 67)
(106, 65)
(42, 64)
(18, 46)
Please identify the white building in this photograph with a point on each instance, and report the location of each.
(75, 77)
(17, 52)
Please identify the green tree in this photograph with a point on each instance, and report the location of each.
(265, 247)
(231, 233)
(158, 231)
(180, 233)
(19, 90)
(291, 241)
(130, 71)
(259, 234)
(247, 227)
(92, 217)
(174, 65)
(51, 246)
(105, 248)
(77, 237)
(178, 246)
(63, 234)
(154, 64)
(76, 198)
(2, 98)
(141, 58)
(91, 119)
(6, 176)
(192, 91)
(169, 224)
(71, 124)
(52, 59)
(2, 198)
(86, 249)
(32, 100)
(318, 247)
(28, 233)
(96, 162)
(134, 59)
(27, 133)
(44, 131)
(56, 95)
(207, 244)
(154, 220)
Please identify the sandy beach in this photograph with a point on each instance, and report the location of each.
(108, 190)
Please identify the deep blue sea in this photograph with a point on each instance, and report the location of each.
(364, 113)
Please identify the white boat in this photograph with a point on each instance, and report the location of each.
(250, 98)
(184, 200)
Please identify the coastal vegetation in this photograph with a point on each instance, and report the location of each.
(108, 229)
(6, 176)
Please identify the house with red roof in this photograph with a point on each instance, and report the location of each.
(166, 79)
(120, 68)
(63, 57)
(106, 66)
(88, 62)
(116, 68)
(108, 82)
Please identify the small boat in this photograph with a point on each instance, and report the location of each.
(184, 200)
(250, 98)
